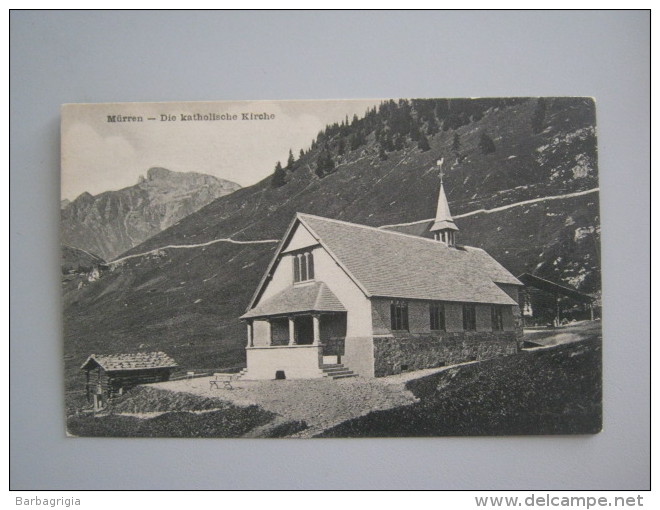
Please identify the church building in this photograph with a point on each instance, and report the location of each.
(341, 299)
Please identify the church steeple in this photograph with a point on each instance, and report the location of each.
(444, 229)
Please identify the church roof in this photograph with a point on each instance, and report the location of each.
(389, 264)
(308, 297)
(385, 263)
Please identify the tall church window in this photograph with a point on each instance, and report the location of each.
(437, 316)
(496, 318)
(303, 267)
(469, 317)
(399, 315)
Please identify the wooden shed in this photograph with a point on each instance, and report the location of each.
(557, 293)
(108, 375)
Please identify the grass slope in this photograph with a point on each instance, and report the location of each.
(551, 391)
(179, 419)
(365, 189)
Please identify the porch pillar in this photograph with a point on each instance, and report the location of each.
(269, 333)
(250, 337)
(292, 331)
(317, 329)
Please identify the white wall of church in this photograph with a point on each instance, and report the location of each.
(358, 320)
(283, 274)
(300, 239)
(281, 279)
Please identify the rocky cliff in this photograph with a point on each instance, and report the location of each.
(112, 222)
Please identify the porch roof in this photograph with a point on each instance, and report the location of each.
(312, 297)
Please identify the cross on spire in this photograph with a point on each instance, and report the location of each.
(442, 170)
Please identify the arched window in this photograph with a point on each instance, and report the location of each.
(310, 265)
(303, 267)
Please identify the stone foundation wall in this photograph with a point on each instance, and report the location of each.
(392, 355)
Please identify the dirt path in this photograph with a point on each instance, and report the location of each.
(575, 332)
(321, 403)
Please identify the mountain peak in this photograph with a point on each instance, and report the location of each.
(115, 221)
(158, 173)
(84, 197)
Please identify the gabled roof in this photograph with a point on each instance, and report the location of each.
(385, 263)
(391, 264)
(135, 361)
(309, 297)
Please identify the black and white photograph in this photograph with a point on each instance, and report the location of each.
(416, 267)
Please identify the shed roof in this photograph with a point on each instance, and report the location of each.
(311, 297)
(554, 288)
(133, 361)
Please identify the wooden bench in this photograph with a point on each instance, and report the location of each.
(225, 379)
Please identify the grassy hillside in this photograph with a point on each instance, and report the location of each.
(75, 260)
(364, 188)
(178, 415)
(553, 391)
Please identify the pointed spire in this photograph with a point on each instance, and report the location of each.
(443, 227)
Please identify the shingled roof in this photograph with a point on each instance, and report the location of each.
(135, 361)
(386, 263)
(314, 297)
(390, 264)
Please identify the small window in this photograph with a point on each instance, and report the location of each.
(399, 315)
(496, 318)
(437, 316)
(303, 267)
(469, 318)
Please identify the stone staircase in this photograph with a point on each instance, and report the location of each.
(337, 371)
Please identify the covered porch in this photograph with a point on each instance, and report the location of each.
(294, 333)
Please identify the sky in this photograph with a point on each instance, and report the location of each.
(98, 155)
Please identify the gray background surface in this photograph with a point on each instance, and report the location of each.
(61, 57)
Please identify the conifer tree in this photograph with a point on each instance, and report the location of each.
(486, 144)
(279, 176)
(456, 143)
(386, 142)
(432, 126)
(397, 142)
(538, 118)
(290, 162)
(324, 164)
(423, 143)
